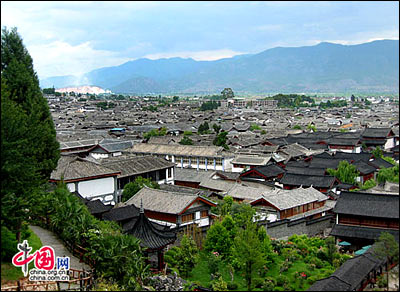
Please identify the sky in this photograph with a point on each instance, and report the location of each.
(75, 37)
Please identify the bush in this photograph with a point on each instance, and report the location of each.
(8, 244)
(219, 285)
(281, 280)
(269, 284)
(233, 286)
(258, 282)
(382, 281)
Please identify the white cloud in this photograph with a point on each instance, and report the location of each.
(210, 55)
(60, 58)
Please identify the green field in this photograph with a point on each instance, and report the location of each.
(9, 273)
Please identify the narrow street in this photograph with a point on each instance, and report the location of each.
(49, 238)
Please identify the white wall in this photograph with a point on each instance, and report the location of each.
(390, 143)
(99, 155)
(96, 187)
(71, 187)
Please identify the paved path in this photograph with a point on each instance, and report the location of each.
(49, 238)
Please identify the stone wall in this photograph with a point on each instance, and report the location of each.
(285, 228)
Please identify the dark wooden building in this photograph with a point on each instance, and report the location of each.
(362, 217)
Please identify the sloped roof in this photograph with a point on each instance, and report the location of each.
(97, 207)
(268, 171)
(116, 146)
(326, 162)
(376, 132)
(251, 160)
(363, 167)
(121, 213)
(138, 165)
(319, 181)
(180, 150)
(353, 156)
(192, 175)
(331, 283)
(344, 141)
(287, 199)
(367, 204)
(76, 168)
(353, 231)
(350, 274)
(217, 184)
(305, 170)
(380, 163)
(163, 201)
(150, 237)
(75, 144)
(242, 192)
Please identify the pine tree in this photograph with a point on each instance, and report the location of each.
(29, 147)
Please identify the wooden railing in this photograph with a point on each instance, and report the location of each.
(79, 280)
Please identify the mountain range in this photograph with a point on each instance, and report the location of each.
(326, 67)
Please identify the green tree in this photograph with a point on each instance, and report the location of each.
(377, 152)
(186, 141)
(29, 149)
(331, 248)
(387, 248)
(227, 93)
(254, 127)
(248, 251)
(218, 239)
(311, 128)
(175, 98)
(203, 128)
(388, 174)
(184, 257)
(296, 127)
(220, 139)
(216, 128)
(132, 188)
(345, 173)
(368, 184)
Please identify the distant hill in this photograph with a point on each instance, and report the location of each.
(326, 67)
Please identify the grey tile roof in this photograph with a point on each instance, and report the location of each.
(242, 192)
(72, 167)
(192, 175)
(291, 179)
(121, 213)
(147, 232)
(138, 165)
(353, 231)
(376, 132)
(162, 201)
(305, 170)
(286, 199)
(366, 204)
(180, 150)
(251, 160)
(116, 146)
(217, 184)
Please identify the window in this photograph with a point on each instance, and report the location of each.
(162, 174)
(169, 172)
(187, 218)
(203, 214)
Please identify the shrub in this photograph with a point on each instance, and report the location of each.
(8, 244)
(282, 280)
(269, 284)
(258, 282)
(219, 285)
(232, 286)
